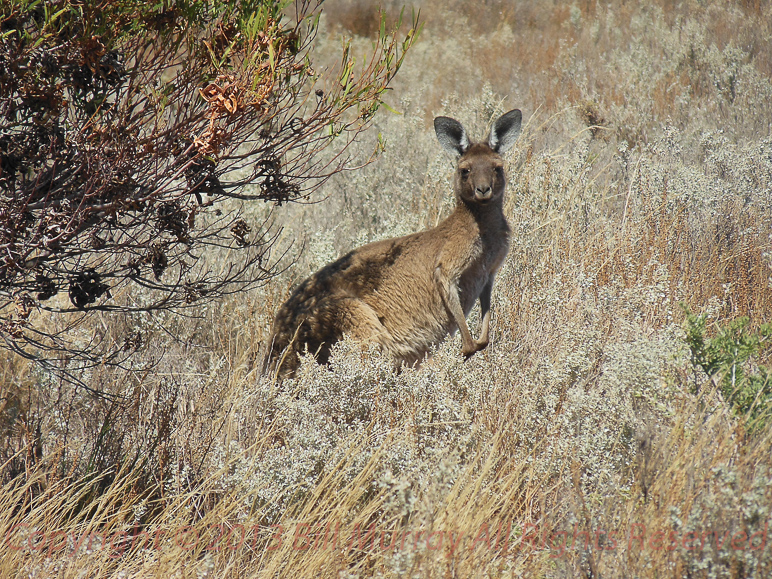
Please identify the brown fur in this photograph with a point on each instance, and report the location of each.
(406, 294)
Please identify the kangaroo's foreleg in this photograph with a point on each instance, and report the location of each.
(450, 298)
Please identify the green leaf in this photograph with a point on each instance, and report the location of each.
(388, 108)
(272, 57)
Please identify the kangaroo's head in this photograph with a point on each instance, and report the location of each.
(480, 178)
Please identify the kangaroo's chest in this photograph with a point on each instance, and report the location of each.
(485, 258)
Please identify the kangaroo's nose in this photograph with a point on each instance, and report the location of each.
(483, 193)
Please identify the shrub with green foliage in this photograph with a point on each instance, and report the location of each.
(731, 359)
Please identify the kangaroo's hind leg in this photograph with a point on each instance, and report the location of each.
(362, 324)
(329, 321)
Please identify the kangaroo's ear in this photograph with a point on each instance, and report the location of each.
(505, 131)
(451, 135)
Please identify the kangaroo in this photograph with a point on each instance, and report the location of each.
(406, 294)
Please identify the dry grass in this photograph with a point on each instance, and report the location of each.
(582, 443)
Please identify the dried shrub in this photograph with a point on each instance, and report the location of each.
(129, 133)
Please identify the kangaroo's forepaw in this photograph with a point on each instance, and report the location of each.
(475, 347)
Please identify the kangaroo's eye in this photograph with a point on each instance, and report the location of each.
(465, 173)
(500, 171)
